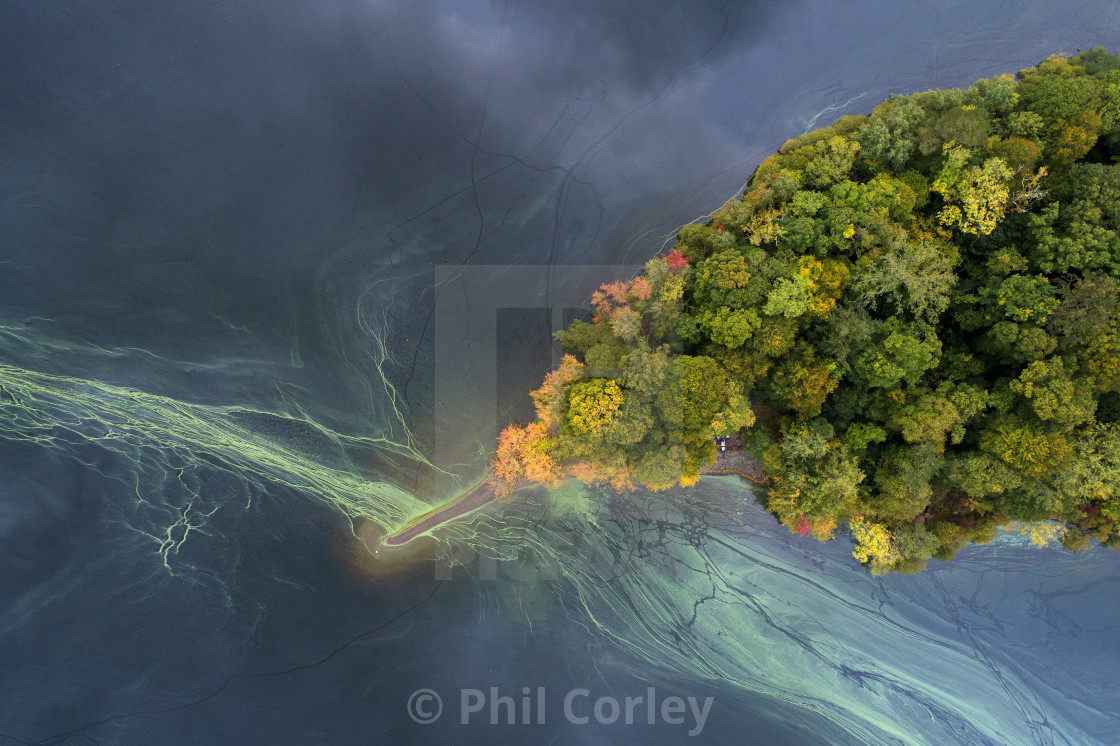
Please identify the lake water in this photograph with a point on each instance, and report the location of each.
(272, 275)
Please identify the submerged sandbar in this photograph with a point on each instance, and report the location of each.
(733, 462)
(481, 494)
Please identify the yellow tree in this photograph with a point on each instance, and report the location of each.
(975, 196)
(593, 406)
(1076, 137)
(873, 544)
(1028, 449)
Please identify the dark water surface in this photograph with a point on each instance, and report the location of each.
(271, 276)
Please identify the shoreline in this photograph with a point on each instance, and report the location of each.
(732, 463)
(738, 463)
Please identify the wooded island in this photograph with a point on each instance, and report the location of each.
(910, 318)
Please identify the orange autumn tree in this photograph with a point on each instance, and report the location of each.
(524, 452)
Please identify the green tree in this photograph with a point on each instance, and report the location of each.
(917, 278)
(700, 389)
(831, 161)
(1031, 450)
(791, 297)
(903, 481)
(1007, 341)
(802, 382)
(1096, 60)
(730, 327)
(1058, 89)
(626, 323)
(847, 331)
(915, 545)
(661, 468)
(737, 414)
(1020, 154)
(646, 371)
(1022, 298)
(1081, 234)
(1093, 476)
(981, 474)
(860, 435)
(888, 134)
(901, 354)
(966, 126)
(1087, 307)
(724, 279)
(1075, 138)
(580, 337)
(999, 93)
(926, 417)
(698, 242)
(1053, 395)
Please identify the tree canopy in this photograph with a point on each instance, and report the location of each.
(924, 303)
